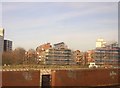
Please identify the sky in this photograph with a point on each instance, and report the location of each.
(78, 24)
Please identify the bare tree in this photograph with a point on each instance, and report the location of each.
(7, 58)
(19, 55)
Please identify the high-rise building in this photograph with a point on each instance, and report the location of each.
(1, 43)
(7, 45)
(1, 39)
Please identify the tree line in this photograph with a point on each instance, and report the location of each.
(16, 57)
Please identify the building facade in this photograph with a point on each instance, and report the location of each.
(60, 45)
(59, 54)
(40, 51)
(1, 43)
(1, 39)
(7, 45)
(78, 57)
(100, 43)
(90, 56)
(108, 55)
(30, 57)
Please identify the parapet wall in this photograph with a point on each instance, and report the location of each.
(86, 77)
(21, 78)
(68, 77)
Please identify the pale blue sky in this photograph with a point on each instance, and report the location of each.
(29, 24)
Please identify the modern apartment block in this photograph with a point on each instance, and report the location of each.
(108, 55)
(40, 51)
(7, 45)
(59, 54)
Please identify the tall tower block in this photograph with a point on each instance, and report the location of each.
(1, 50)
(1, 39)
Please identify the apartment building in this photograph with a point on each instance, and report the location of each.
(40, 51)
(59, 54)
(78, 57)
(90, 56)
(108, 55)
(30, 57)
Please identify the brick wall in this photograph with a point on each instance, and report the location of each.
(86, 77)
(20, 78)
